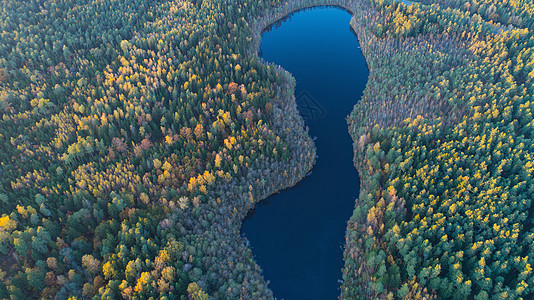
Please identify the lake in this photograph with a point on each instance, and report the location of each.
(297, 235)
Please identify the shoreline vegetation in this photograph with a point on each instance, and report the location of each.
(136, 140)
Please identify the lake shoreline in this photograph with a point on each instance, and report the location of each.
(259, 26)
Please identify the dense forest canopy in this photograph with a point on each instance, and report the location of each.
(443, 144)
(135, 136)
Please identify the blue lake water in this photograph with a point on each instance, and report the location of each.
(297, 235)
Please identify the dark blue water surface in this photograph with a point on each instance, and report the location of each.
(297, 235)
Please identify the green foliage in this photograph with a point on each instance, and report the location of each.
(450, 202)
(129, 131)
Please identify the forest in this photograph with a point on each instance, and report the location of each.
(136, 135)
(443, 144)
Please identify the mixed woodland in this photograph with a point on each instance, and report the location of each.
(136, 135)
(443, 145)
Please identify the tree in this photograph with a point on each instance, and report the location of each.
(91, 264)
(196, 292)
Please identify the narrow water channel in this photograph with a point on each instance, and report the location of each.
(297, 235)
